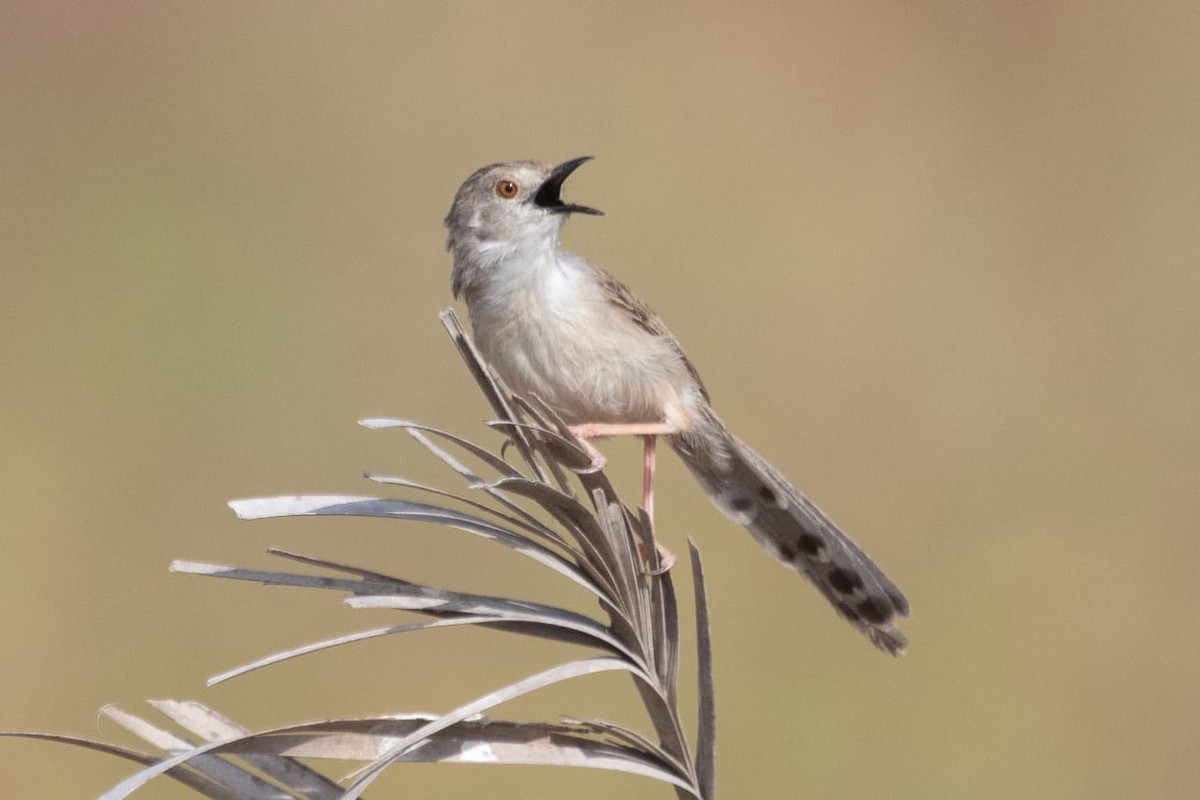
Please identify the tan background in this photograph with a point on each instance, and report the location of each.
(939, 262)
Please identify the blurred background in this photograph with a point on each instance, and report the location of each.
(937, 261)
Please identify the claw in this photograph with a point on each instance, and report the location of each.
(666, 559)
(598, 459)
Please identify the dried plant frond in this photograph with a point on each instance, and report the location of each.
(555, 510)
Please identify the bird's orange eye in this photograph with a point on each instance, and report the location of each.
(507, 189)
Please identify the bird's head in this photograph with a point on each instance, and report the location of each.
(513, 204)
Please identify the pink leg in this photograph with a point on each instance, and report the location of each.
(666, 559)
(649, 431)
(648, 447)
(591, 430)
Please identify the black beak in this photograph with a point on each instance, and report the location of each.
(549, 196)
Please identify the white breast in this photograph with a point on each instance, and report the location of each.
(549, 330)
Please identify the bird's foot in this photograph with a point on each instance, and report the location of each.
(666, 559)
(598, 459)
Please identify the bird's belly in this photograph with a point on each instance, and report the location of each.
(589, 378)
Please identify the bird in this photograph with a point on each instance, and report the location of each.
(555, 326)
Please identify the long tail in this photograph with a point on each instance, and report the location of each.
(753, 493)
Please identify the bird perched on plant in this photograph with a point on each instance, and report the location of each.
(556, 326)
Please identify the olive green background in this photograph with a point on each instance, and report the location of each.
(938, 261)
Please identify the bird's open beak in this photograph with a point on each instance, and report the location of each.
(549, 195)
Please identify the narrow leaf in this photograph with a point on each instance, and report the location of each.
(520, 517)
(225, 773)
(488, 383)
(202, 784)
(350, 505)
(482, 453)
(211, 726)
(549, 677)
(336, 641)
(706, 728)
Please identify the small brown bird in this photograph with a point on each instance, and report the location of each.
(558, 327)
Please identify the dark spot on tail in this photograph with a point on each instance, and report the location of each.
(741, 504)
(899, 602)
(874, 611)
(766, 494)
(849, 613)
(845, 580)
(810, 544)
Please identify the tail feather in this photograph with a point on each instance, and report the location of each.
(753, 493)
